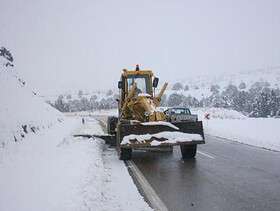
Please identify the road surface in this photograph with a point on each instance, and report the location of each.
(224, 176)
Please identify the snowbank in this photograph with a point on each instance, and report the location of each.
(54, 171)
(218, 113)
(51, 170)
(21, 111)
(232, 125)
(261, 132)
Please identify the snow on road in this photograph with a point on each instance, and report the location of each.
(51, 170)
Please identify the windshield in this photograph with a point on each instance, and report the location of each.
(180, 111)
(141, 82)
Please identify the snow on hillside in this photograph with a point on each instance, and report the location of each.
(21, 112)
(75, 95)
(200, 86)
(55, 171)
(47, 168)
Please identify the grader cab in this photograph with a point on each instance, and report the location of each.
(141, 125)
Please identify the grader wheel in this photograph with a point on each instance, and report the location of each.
(188, 151)
(125, 154)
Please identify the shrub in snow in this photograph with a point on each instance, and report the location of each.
(109, 93)
(242, 85)
(177, 86)
(175, 100)
(215, 89)
(80, 93)
(186, 88)
(5, 53)
(190, 101)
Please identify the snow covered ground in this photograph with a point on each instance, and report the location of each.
(51, 170)
(43, 167)
(229, 124)
(108, 112)
(21, 111)
(253, 131)
(233, 125)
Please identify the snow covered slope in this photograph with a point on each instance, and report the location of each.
(47, 168)
(21, 111)
(53, 171)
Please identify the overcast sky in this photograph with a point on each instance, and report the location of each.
(60, 45)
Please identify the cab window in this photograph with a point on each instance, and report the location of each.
(180, 111)
(141, 82)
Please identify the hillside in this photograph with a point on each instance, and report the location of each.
(21, 111)
(44, 167)
(200, 86)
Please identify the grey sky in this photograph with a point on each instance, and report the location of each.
(60, 45)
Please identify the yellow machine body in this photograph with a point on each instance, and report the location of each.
(138, 99)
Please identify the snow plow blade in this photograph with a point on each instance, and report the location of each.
(156, 135)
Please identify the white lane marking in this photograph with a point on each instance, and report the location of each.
(152, 197)
(206, 155)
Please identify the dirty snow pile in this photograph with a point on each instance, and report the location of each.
(21, 111)
(232, 125)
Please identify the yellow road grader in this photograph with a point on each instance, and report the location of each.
(141, 125)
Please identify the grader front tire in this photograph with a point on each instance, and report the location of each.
(188, 151)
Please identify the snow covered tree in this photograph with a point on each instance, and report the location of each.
(85, 105)
(7, 55)
(242, 85)
(109, 93)
(68, 97)
(175, 100)
(80, 93)
(215, 89)
(190, 101)
(177, 86)
(228, 95)
(60, 104)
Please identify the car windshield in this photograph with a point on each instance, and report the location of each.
(180, 111)
(140, 81)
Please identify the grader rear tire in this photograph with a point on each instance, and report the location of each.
(125, 154)
(188, 151)
(111, 125)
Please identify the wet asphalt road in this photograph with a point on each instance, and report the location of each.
(224, 176)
